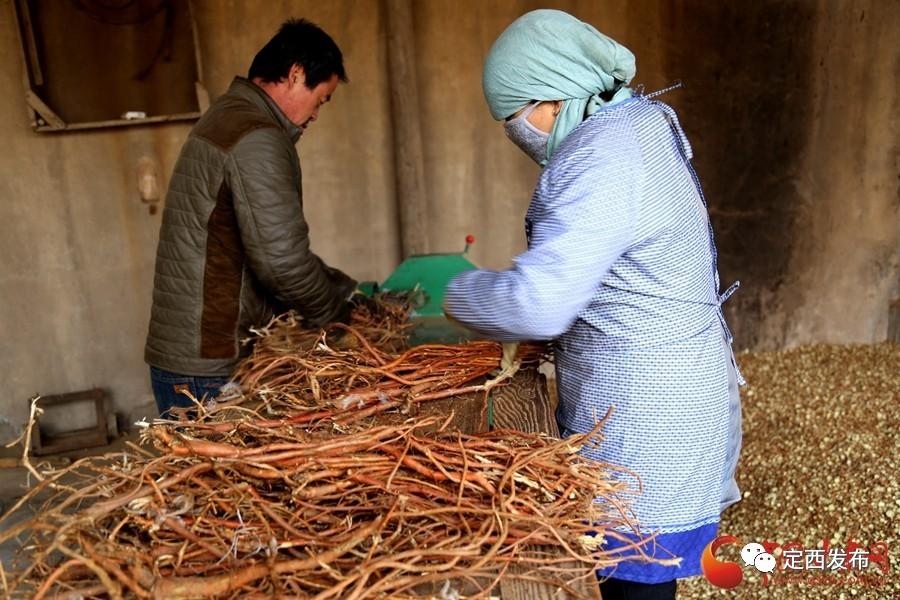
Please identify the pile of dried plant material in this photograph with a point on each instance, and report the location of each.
(294, 489)
(383, 320)
(819, 466)
(365, 368)
(321, 514)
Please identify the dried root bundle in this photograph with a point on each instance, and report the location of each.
(368, 514)
(293, 489)
(383, 320)
(365, 365)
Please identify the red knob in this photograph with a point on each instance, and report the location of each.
(470, 239)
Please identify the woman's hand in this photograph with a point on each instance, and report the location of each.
(510, 350)
(450, 318)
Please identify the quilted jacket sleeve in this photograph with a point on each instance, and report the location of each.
(264, 175)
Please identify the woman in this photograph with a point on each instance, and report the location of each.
(621, 272)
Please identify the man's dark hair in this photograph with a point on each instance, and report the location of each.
(303, 43)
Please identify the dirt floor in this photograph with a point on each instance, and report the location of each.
(819, 464)
(14, 482)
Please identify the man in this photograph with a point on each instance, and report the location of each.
(234, 246)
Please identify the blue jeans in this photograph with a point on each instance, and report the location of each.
(168, 388)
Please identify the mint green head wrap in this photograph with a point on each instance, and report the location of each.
(551, 55)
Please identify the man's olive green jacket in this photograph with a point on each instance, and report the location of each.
(234, 245)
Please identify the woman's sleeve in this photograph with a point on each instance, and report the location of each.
(586, 222)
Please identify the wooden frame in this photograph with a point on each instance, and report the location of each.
(43, 117)
(91, 437)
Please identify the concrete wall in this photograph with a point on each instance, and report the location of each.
(845, 260)
(791, 107)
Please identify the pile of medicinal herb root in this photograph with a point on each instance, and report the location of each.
(294, 489)
(370, 514)
(819, 465)
(365, 367)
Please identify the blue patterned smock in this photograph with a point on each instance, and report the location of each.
(621, 271)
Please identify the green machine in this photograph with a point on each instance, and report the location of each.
(428, 275)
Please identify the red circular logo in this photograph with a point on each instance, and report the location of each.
(721, 573)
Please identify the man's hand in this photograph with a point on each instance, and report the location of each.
(337, 335)
(356, 300)
(359, 299)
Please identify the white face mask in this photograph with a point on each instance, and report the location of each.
(531, 140)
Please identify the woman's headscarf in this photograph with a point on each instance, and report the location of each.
(551, 55)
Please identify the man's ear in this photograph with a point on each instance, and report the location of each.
(296, 75)
(557, 107)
